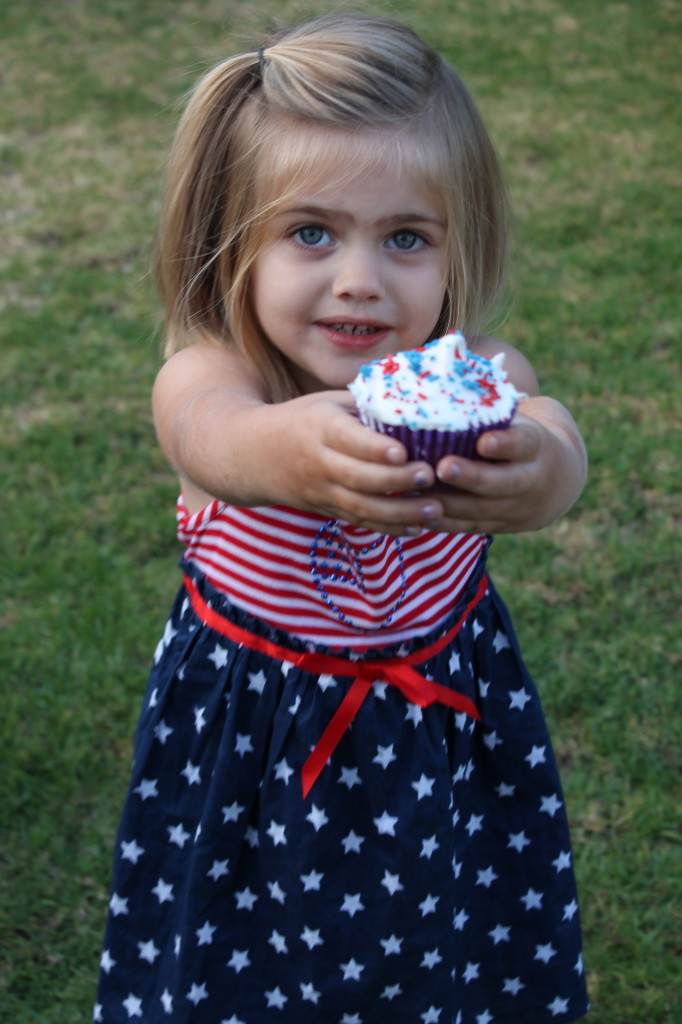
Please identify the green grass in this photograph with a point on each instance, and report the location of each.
(582, 99)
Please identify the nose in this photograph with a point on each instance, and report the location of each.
(358, 275)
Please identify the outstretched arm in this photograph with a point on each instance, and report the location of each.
(310, 452)
(537, 467)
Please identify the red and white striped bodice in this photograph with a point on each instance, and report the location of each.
(328, 582)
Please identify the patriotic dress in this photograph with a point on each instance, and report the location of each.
(344, 806)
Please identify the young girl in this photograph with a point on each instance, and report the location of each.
(344, 806)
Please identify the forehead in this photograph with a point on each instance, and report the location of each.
(304, 161)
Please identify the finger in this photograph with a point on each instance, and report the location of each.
(518, 443)
(388, 514)
(467, 477)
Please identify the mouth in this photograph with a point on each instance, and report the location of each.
(354, 335)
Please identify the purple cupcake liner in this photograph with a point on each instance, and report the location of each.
(431, 445)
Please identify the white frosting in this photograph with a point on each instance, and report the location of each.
(441, 386)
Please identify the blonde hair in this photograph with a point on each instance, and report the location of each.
(247, 140)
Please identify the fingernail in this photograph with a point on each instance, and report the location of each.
(395, 455)
(450, 474)
(429, 513)
(413, 531)
(420, 479)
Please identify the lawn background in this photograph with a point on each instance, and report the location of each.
(583, 100)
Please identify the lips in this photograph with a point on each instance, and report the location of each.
(354, 334)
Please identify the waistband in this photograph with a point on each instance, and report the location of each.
(398, 672)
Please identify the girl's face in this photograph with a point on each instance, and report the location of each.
(349, 271)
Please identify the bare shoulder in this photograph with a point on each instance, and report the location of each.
(520, 371)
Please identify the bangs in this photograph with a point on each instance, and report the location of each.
(299, 158)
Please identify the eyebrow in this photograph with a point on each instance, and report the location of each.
(325, 212)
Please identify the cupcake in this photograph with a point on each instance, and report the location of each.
(437, 399)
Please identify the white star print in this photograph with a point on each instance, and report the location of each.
(317, 817)
(352, 903)
(483, 688)
(545, 953)
(563, 861)
(414, 714)
(148, 951)
(351, 1018)
(277, 892)
(391, 945)
(168, 634)
(499, 934)
(536, 756)
(517, 841)
(283, 771)
(391, 991)
(167, 1000)
(239, 960)
(550, 804)
(474, 824)
(518, 699)
(277, 834)
(118, 905)
(243, 744)
(350, 777)
(352, 842)
(428, 905)
(191, 773)
(177, 835)
(218, 869)
(219, 657)
(429, 846)
(432, 1015)
(492, 740)
(384, 756)
(147, 788)
(245, 899)
(278, 942)
(296, 705)
(484, 1018)
(579, 964)
(205, 934)
(570, 910)
(558, 1006)
(276, 998)
(312, 880)
(326, 682)
(423, 787)
(431, 959)
(513, 986)
(234, 1019)
(232, 812)
(486, 877)
(505, 790)
(162, 731)
(500, 642)
(453, 664)
(460, 920)
(197, 993)
(133, 1006)
(352, 970)
(532, 900)
(131, 851)
(392, 883)
(97, 1013)
(311, 937)
(309, 993)
(257, 681)
(163, 891)
(107, 961)
(385, 825)
(471, 972)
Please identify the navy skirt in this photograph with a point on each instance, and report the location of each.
(425, 875)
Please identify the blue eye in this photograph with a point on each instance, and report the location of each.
(406, 241)
(311, 235)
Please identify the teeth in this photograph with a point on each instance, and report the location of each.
(354, 329)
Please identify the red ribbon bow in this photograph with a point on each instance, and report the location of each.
(394, 671)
